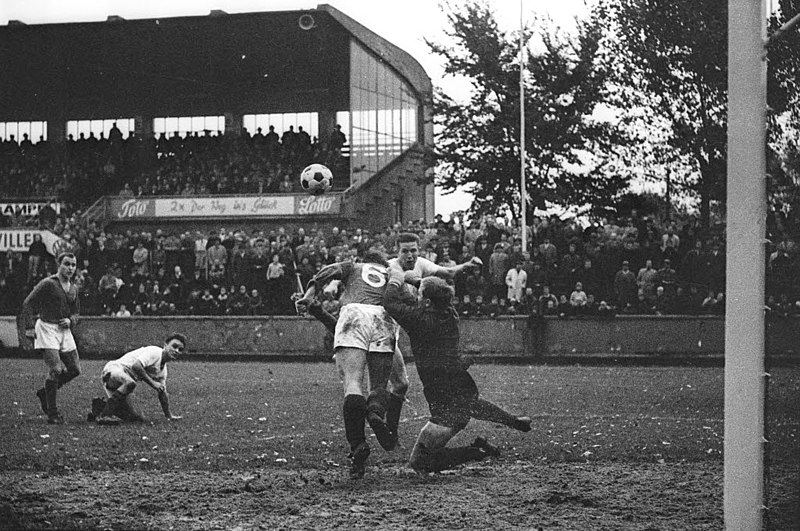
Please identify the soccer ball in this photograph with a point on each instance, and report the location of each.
(316, 179)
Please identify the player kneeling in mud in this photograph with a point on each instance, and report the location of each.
(432, 326)
(119, 377)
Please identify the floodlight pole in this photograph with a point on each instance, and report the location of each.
(523, 190)
(744, 492)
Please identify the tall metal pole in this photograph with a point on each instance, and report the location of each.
(744, 492)
(522, 185)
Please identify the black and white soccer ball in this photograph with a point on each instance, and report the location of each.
(316, 179)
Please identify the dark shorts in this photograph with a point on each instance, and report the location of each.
(450, 394)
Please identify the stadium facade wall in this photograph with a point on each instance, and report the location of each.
(485, 338)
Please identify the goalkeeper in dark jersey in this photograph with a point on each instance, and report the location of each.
(453, 399)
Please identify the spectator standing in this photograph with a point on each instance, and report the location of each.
(276, 275)
(578, 300)
(625, 287)
(498, 268)
(647, 280)
(37, 254)
(516, 281)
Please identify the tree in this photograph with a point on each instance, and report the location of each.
(670, 72)
(671, 62)
(477, 142)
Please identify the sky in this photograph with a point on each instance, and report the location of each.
(405, 23)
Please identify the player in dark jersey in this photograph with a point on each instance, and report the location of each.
(432, 326)
(55, 301)
(365, 338)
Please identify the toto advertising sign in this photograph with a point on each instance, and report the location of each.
(120, 209)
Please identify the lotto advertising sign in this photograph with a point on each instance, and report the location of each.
(223, 207)
(310, 205)
(20, 240)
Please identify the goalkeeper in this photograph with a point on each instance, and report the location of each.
(452, 395)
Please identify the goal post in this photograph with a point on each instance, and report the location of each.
(744, 444)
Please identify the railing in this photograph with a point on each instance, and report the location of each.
(95, 212)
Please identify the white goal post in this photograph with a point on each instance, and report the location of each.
(744, 492)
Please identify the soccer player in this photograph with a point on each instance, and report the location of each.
(415, 269)
(365, 337)
(398, 380)
(145, 364)
(452, 395)
(55, 301)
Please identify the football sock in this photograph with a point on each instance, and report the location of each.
(377, 402)
(113, 405)
(393, 410)
(355, 412)
(484, 410)
(51, 390)
(65, 377)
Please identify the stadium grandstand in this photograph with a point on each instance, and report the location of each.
(203, 119)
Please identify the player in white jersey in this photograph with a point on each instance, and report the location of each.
(365, 338)
(145, 364)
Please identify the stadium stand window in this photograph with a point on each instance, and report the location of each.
(309, 121)
(384, 111)
(188, 124)
(34, 130)
(104, 126)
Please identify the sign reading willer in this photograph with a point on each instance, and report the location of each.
(224, 207)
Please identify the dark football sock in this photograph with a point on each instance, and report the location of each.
(113, 405)
(393, 410)
(65, 377)
(377, 402)
(355, 412)
(51, 390)
(484, 410)
(447, 458)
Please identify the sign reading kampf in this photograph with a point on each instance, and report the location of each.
(121, 209)
(26, 208)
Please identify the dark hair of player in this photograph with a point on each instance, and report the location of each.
(405, 237)
(61, 257)
(179, 337)
(375, 256)
(437, 290)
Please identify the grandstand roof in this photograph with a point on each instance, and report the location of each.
(199, 65)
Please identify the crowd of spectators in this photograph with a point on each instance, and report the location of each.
(630, 266)
(81, 170)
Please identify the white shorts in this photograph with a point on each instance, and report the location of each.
(52, 337)
(113, 376)
(367, 327)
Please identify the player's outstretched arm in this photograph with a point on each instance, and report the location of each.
(163, 398)
(448, 273)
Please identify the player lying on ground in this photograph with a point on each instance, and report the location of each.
(398, 380)
(55, 300)
(365, 337)
(432, 326)
(145, 364)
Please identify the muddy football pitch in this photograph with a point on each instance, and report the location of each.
(261, 446)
